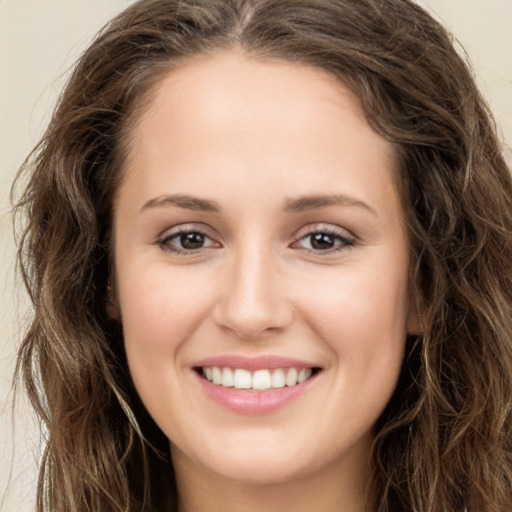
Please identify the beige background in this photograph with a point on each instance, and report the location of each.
(39, 40)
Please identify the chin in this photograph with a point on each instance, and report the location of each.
(264, 465)
(259, 472)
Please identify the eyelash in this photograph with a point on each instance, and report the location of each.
(344, 242)
(164, 241)
(341, 240)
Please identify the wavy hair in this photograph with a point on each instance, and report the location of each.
(444, 443)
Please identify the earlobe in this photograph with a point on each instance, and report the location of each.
(414, 324)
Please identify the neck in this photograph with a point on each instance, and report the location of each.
(338, 487)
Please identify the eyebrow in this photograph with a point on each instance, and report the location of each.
(300, 204)
(306, 203)
(183, 201)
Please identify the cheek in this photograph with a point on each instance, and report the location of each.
(358, 304)
(160, 310)
(362, 319)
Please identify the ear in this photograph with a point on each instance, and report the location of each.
(111, 302)
(414, 323)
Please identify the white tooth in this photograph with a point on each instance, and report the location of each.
(227, 377)
(207, 372)
(216, 375)
(242, 379)
(278, 379)
(261, 379)
(304, 374)
(309, 372)
(291, 377)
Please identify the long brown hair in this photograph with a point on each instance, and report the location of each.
(444, 443)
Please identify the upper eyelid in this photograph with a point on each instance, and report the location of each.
(327, 228)
(346, 241)
(176, 234)
(309, 228)
(163, 242)
(185, 228)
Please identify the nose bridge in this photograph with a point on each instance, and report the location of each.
(253, 302)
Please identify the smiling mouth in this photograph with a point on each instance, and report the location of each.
(258, 380)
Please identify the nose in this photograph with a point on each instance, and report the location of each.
(253, 301)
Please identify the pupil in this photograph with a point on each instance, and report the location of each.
(192, 240)
(322, 241)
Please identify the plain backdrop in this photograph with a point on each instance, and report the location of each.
(39, 41)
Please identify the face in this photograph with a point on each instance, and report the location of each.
(261, 269)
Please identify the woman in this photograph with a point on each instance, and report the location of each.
(269, 251)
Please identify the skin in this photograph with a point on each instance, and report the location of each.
(252, 136)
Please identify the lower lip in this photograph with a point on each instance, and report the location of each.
(254, 402)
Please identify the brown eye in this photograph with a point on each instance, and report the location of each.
(184, 242)
(192, 240)
(322, 241)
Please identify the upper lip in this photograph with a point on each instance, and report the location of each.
(254, 363)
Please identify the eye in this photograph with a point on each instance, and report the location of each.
(325, 240)
(186, 241)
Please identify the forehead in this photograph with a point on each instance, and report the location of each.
(230, 116)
